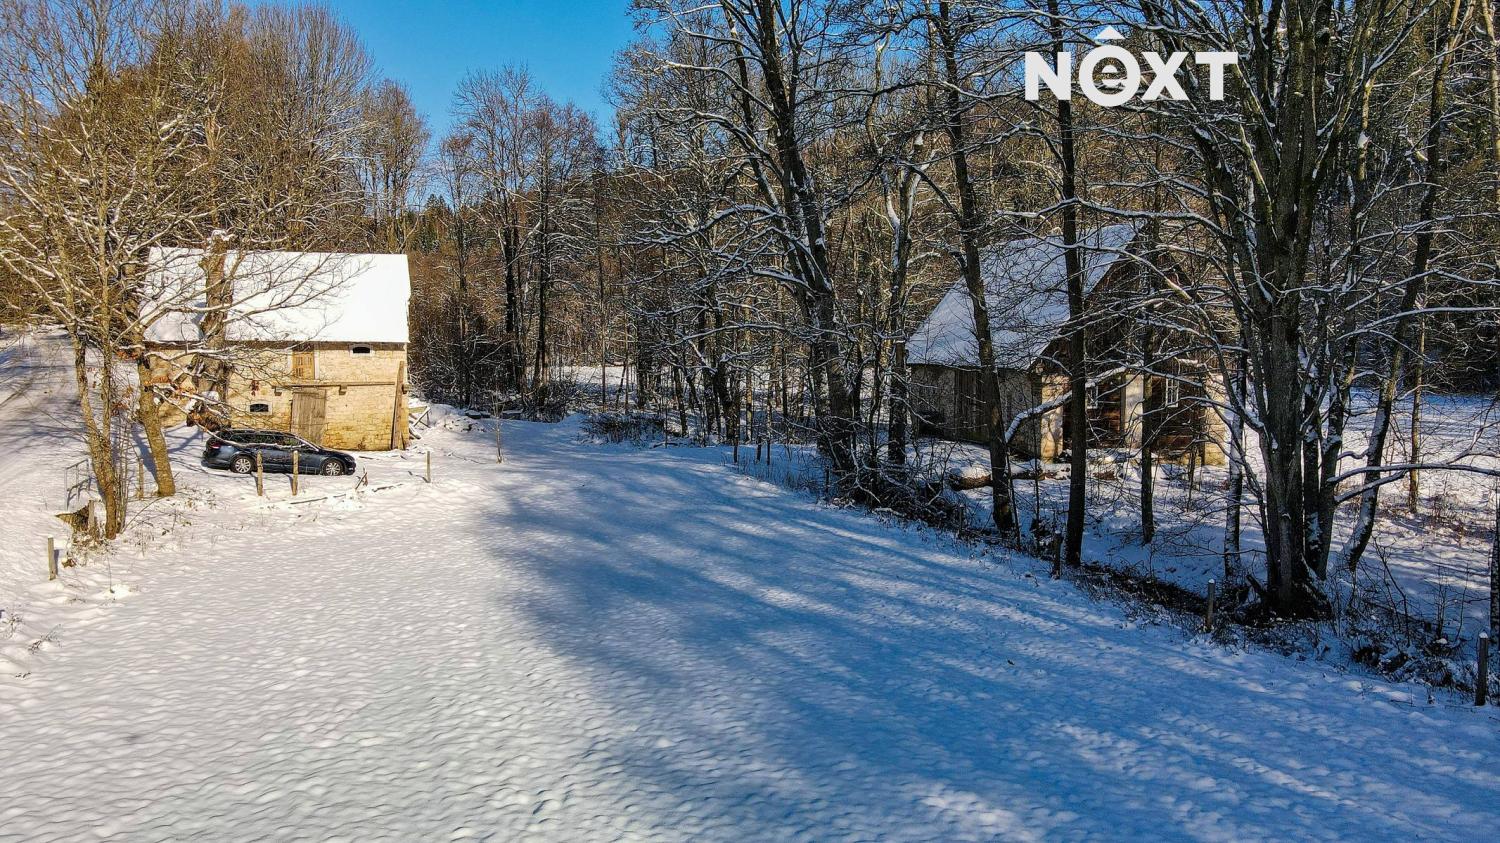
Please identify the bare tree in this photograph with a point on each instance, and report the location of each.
(391, 150)
(1269, 154)
(135, 127)
(94, 131)
(773, 62)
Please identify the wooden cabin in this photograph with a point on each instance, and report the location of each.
(1167, 399)
(311, 343)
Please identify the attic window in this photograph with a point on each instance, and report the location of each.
(260, 408)
(361, 349)
(1173, 395)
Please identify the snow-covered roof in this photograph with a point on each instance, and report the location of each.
(1026, 283)
(282, 296)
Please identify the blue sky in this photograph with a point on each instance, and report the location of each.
(568, 45)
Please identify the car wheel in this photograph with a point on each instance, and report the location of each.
(333, 468)
(242, 465)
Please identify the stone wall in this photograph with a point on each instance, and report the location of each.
(360, 393)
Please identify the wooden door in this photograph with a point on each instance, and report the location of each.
(400, 416)
(971, 419)
(304, 364)
(309, 414)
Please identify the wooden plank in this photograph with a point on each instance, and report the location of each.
(400, 414)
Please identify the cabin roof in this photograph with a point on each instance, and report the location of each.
(282, 296)
(1026, 285)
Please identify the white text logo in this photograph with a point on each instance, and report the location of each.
(1111, 75)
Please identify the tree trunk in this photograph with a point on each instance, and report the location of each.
(896, 402)
(1406, 318)
(98, 427)
(806, 245)
(970, 223)
(540, 371)
(211, 370)
(1078, 426)
(148, 413)
(1148, 459)
(543, 287)
(466, 385)
(1487, 18)
(1236, 474)
(1418, 367)
(510, 245)
(677, 392)
(1495, 575)
(1288, 573)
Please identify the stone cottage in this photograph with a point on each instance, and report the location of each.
(1171, 400)
(311, 343)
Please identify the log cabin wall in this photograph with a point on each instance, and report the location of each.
(946, 402)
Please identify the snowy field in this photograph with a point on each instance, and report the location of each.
(39, 447)
(603, 642)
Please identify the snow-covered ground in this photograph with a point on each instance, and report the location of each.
(603, 642)
(39, 448)
(1432, 564)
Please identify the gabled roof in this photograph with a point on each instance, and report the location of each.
(283, 296)
(1026, 284)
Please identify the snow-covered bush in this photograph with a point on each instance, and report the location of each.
(907, 493)
(635, 428)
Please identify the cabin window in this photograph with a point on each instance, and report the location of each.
(304, 364)
(1171, 393)
(1091, 396)
(260, 408)
(361, 349)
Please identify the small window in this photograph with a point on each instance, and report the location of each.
(260, 408)
(304, 365)
(361, 349)
(1172, 393)
(1091, 397)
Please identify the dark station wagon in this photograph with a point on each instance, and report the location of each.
(235, 449)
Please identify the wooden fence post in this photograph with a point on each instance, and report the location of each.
(51, 558)
(499, 449)
(260, 476)
(140, 479)
(1482, 678)
(1208, 619)
(429, 466)
(1495, 572)
(296, 467)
